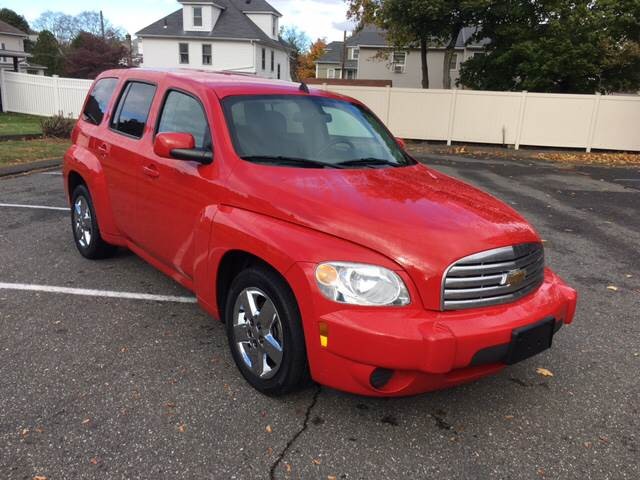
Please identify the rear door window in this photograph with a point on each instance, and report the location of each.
(183, 113)
(98, 100)
(133, 109)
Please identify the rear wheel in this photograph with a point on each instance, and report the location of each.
(86, 231)
(265, 332)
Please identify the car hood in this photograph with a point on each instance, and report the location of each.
(420, 218)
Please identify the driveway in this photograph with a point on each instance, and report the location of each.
(98, 385)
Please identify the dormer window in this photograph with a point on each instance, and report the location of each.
(197, 16)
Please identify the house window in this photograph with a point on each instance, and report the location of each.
(184, 53)
(399, 62)
(273, 60)
(278, 71)
(274, 26)
(453, 62)
(331, 73)
(206, 54)
(264, 59)
(354, 53)
(197, 16)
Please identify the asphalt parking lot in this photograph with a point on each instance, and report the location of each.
(111, 387)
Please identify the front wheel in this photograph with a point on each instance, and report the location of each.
(265, 334)
(86, 231)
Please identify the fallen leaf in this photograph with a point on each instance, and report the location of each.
(24, 432)
(182, 428)
(85, 421)
(94, 461)
(587, 444)
(508, 417)
(288, 467)
(612, 288)
(332, 477)
(316, 461)
(39, 477)
(39, 429)
(628, 275)
(544, 372)
(269, 429)
(123, 349)
(170, 405)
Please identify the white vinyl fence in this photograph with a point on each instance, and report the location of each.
(609, 122)
(40, 95)
(514, 118)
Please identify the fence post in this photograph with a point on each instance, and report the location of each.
(3, 91)
(523, 106)
(56, 95)
(452, 114)
(594, 120)
(388, 112)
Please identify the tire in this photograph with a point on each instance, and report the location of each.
(84, 225)
(267, 347)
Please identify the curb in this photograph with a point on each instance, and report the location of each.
(29, 167)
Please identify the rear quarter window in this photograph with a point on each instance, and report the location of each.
(133, 109)
(98, 100)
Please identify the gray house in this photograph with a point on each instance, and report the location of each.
(368, 56)
(12, 54)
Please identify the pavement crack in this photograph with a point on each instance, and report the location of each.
(292, 440)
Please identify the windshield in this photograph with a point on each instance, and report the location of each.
(315, 132)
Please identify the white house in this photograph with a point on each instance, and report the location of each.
(12, 54)
(222, 35)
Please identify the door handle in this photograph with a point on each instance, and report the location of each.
(103, 148)
(151, 171)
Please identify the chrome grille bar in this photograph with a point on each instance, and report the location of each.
(493, 277)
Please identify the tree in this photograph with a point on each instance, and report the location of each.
(67, 27)
(89, 55)
(558, 46)
(419, 22)
(46, 51)
(14, 19)
(299, 43)
(307, 66)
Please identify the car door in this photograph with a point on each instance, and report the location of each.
(124, 152)
(175, 190)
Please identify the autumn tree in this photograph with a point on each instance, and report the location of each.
(299, 42)
(307, 64)
(89, 55)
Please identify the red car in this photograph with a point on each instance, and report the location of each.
(303, 224)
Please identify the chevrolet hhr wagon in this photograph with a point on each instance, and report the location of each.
(300, 221)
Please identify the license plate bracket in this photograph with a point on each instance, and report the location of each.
(530, 340)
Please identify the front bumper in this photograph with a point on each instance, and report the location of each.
(424, 350)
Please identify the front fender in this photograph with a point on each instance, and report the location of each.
(279, 243)
(84, 163)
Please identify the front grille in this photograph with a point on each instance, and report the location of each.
(493, 277)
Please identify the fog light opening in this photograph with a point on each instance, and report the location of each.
(380, 377)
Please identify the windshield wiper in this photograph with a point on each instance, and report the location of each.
(368, 161)
(294, 161)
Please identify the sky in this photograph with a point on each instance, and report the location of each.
(317, 18)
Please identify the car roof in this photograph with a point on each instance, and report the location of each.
(223, 83)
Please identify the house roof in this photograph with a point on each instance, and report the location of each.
(232, 24)
(7, 29)
(333, 54)
(256, 6)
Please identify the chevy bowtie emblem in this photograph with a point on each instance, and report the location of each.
(514, 277)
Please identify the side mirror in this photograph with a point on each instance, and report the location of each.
(401, 143)
(180, 146)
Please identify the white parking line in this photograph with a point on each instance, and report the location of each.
(50, 173)
(96, 293)
(36, 207)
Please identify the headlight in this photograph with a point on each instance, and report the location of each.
(360, 284)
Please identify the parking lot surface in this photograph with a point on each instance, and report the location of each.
(95, 386)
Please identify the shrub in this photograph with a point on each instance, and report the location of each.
(57, 126)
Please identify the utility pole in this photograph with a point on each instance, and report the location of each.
(102, 24)
(130, 56)
(344, 54)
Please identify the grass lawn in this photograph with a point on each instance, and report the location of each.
(19, 124)
(19, 151)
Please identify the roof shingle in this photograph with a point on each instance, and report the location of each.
(10, 29)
